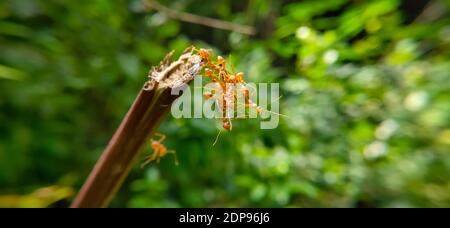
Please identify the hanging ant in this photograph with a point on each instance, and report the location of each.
(159, 151)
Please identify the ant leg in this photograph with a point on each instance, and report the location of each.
(260, 109)
(149, 159)
(174, 156)
(162, 137)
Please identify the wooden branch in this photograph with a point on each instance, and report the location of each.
(196, 19)
(140, 123)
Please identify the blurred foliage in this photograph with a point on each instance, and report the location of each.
(366, 86)
(42, 197)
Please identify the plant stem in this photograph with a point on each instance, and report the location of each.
(201, 20)
(140, 123)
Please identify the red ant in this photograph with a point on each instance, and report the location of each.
(159, 151)
(217, 72)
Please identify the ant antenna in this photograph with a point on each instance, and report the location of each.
(217, 137)
(174, 156)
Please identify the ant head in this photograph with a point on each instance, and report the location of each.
(227, 125)
(208, 72)
(259, 110)
(208, 95)
(245, 91)
(240, 76)
(204, 54)
(220, 61)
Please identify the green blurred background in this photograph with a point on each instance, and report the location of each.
(366, 86)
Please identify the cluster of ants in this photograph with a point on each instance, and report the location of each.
(226, 82)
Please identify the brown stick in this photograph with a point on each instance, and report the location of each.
(140, 123)
(201, 20)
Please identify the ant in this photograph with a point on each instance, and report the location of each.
(217, 72)
(159, 151)
(225, 100)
